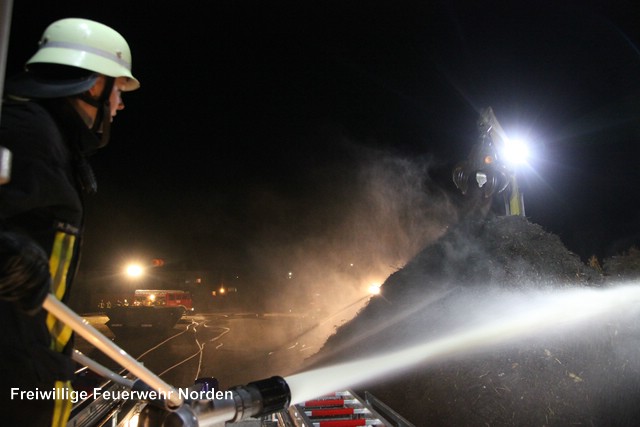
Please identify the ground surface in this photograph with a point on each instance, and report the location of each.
(235, 348)
(587, 374)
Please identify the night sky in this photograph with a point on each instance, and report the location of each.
(264, 130)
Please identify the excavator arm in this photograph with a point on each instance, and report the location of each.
(487, 169)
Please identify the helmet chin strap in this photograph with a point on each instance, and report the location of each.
(102, 121)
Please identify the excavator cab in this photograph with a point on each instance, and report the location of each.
(486, 168)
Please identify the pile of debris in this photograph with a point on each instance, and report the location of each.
(585, 377)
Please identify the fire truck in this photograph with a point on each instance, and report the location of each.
(151, 308)
(163, 298)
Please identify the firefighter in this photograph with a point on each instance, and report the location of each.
(55, 114)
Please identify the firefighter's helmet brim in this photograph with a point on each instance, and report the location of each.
(32, 85)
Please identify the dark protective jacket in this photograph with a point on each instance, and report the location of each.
(43, 200)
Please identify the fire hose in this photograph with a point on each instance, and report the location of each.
(256, 399)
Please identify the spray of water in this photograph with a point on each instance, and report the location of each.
(500, 322)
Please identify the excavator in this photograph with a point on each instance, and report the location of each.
(489, 169)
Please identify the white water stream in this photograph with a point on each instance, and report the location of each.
(499, 321)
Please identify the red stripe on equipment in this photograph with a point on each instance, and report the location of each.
(324, 402)
(331, 412)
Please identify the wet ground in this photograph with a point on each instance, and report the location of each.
(236, 348)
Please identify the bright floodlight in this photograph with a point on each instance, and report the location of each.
(374, 289)
(516, 151)
(134, 270)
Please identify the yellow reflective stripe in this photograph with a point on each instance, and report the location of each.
(62, 406)
(60, 334)
(59, 262)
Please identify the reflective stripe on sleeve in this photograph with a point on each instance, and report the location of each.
(59, 262)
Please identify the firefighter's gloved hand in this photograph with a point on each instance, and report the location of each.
(24, 272)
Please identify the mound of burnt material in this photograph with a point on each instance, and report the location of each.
(477, 272)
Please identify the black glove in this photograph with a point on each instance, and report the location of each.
(24, 272)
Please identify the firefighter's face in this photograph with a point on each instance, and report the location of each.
(88, 112)
(115, 98)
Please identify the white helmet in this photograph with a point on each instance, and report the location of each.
(88, 46)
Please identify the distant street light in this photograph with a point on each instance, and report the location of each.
(134, 270)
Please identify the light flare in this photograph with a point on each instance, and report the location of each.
(516, 151)
(134, 270)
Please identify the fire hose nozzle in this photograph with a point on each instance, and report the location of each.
(254, 400)
(275, 393)
(261, 397)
